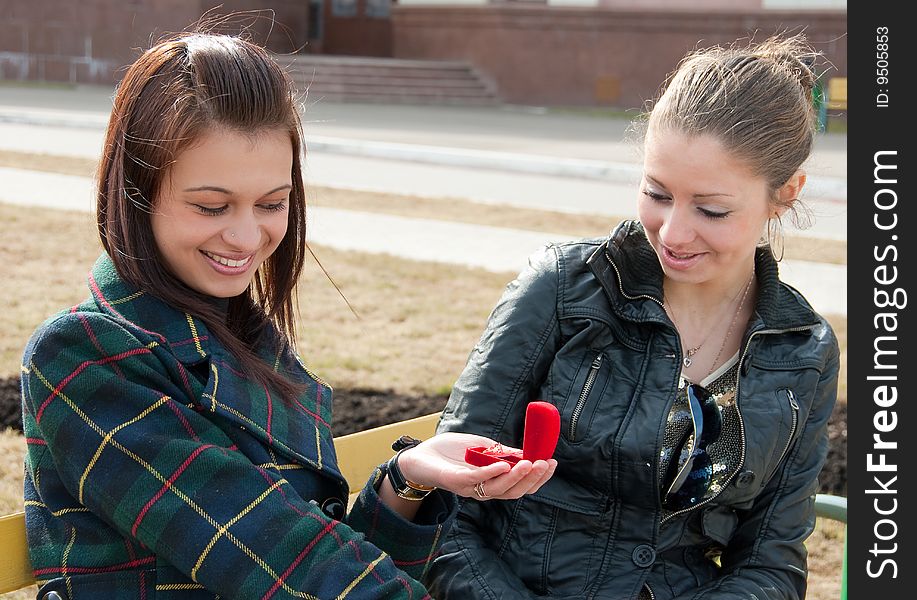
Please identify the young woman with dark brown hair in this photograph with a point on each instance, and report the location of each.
(178, 447)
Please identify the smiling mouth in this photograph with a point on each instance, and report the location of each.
(228, 262)
(681, 256)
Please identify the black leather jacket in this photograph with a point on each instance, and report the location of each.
(597, 528)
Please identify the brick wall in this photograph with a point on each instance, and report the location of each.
(90, 41)
(591, 56)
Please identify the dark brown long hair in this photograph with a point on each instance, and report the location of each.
(177, 90)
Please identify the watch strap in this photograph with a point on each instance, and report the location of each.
(403, 487)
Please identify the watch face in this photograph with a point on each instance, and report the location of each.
(409, 493)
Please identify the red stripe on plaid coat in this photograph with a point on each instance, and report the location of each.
(156, 469)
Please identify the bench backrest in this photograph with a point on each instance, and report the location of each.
(837, 93)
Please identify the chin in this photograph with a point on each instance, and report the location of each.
(686, 276)
(224, 291)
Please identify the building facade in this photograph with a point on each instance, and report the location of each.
(536, 52)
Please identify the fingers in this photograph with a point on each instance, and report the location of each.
(524, 478)
(544, 478)
(541, 471)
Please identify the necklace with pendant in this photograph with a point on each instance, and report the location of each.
(688, 359)
(689, 353)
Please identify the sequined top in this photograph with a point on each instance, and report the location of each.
(726, 451)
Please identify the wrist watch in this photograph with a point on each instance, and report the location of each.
(403, 487)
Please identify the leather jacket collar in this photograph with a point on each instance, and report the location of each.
(628, 269)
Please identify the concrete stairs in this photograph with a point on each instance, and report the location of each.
(389, 80)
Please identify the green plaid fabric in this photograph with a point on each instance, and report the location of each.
(157, 469)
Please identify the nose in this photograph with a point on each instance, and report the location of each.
(677, 230)
(244, 233)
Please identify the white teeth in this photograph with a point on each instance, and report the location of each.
(227, 261)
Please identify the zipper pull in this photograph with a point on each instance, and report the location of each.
(597, 362)
(792, 398)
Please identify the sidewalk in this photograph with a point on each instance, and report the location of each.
(514, 157)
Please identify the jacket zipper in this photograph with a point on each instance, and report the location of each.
(741, 361)
(650, 591)
(795, 406)
(739, 413)
(584, 395)
(621, 287)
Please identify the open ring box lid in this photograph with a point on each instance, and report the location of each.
(542, 429)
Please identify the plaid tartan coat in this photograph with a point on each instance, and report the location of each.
(156, 469)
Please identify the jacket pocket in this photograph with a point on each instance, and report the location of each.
(583, 397)
(556, 551)
(790, 406)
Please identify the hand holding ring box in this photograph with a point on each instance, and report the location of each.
(542, 429)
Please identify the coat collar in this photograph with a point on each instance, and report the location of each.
(627, 267)
(187, 336)
(301, 431)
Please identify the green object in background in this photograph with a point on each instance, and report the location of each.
(821, 105)
(844, 571)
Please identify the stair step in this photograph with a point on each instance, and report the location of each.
(326, 59)
(426, 92)
(339, 71)
(392, 82)
(368, 79)
(315, 96)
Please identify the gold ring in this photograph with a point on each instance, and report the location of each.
(479, 491)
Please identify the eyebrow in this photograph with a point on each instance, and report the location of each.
(710, 195)
(216, 188)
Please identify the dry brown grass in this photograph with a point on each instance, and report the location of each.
(839, 324)
(12, 452)
(418, 320)
(452, 209)
(826, 556)
(45, 256)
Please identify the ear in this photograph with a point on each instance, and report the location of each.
(789, 192)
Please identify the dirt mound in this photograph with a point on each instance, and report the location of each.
(359, 409)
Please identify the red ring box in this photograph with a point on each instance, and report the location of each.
(542, 428)
(480, 456)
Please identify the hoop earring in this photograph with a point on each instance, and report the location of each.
(774, 236)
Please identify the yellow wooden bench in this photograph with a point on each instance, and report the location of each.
(837, 93)
(358, 454)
